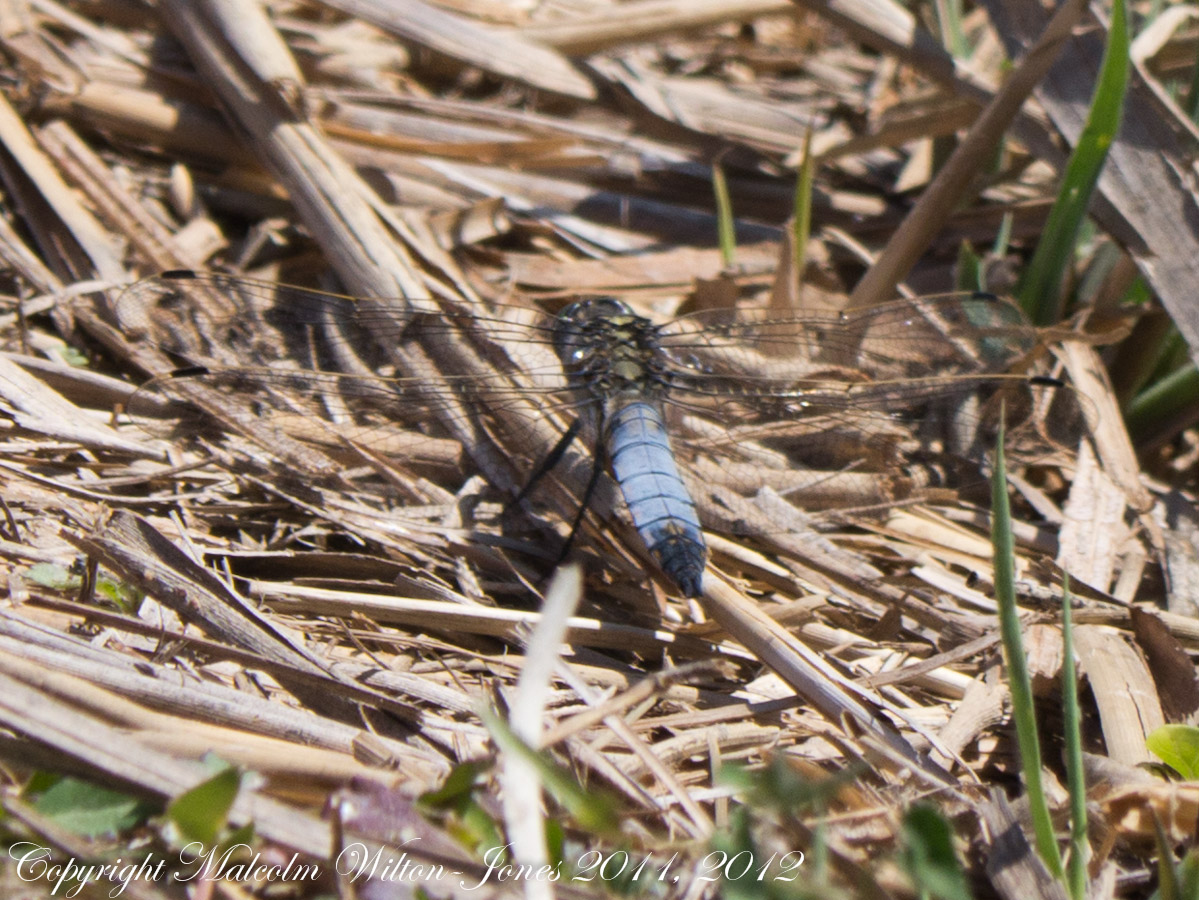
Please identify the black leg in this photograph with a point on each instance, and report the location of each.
(597, 466)
(552, 459)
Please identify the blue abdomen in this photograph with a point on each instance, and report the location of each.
(662, 509)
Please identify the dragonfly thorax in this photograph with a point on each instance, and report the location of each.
(607, 349)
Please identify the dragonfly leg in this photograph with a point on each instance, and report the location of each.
(592, 481)
(546, 466)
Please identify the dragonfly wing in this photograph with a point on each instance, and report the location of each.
(276, 360)
(928, 336)
(856, 410)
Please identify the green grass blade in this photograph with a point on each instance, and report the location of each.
(949, 20)
(1040, 293)
(1188, 876)
(1019, 683)
(803, 206)
(1003, 240)
(1096, 276)
(1166, 400)
(591, 808)
(969, 269)
(1076, 872)
(724, 217)
(1149, 352)
(1168, 887)
(1191, 102)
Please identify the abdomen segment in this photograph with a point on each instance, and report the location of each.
(662, 509)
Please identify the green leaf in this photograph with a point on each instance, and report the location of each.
(91, 810)
(555, 841)
(1040, 293)
(1188, 876)
(929, 857)
(40, 782)
(200, 814)
(592, 809)
(1178, 747)
(72, 356)
(461, 782)
(53, 576)
(124, 597)
(780, 786)
(736, 842)
(471, 824)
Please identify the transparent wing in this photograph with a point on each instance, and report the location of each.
(861, 408)
(283, 363)
(939, 335)
(870, 403)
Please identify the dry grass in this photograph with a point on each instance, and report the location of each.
(332, 606)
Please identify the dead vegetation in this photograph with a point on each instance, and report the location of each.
(332, 605)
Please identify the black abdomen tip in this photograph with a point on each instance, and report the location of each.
(684, 560)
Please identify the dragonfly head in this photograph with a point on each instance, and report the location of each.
(581, 312)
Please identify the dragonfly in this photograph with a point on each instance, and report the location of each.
(696, 419)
